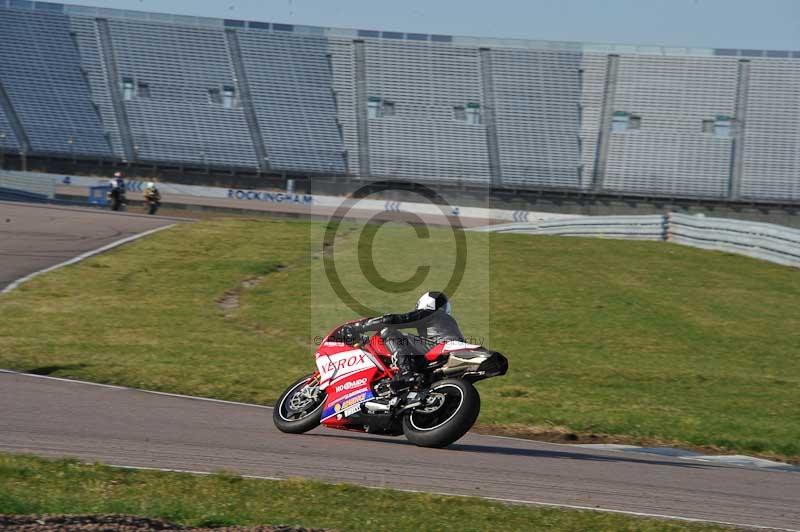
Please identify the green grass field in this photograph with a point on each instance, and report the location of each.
(640, 340)
(35, 486)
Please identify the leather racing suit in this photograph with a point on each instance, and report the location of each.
(433, 326)
(152, 194)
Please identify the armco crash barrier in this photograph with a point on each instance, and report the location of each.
(770, 242)
(29, 182)
(764, 241)
(647, 227)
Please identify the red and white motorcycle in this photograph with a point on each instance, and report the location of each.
(351, 391)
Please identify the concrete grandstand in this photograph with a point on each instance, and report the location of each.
(145, 88)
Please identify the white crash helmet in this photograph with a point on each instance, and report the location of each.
(434, 301)
(150, 184)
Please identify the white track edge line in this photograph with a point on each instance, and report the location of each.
(118, 387)
(495, 499)
(93, 210)
(779, 468)
(83, 256)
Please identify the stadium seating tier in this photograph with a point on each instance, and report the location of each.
(175, 90)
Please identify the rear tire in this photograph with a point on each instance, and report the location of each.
(450, 421)
(295, 414)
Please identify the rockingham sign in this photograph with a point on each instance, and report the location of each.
(273, 197)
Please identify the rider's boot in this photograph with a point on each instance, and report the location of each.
(404, 380)
(404, 354)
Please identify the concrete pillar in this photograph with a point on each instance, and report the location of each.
(488, 116)
(737, 146)
(112, 74)
(243, 86)
(606, 116)
(362, 122)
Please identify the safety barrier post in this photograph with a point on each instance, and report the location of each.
(667, 225)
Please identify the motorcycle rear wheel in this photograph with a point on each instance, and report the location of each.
(299, 409)
(454, 410)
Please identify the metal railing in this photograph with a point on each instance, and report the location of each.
(646, 227)
(34, 183)
(769, 242)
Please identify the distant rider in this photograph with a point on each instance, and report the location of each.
(152, 197)
(433, 322)
(117, 192)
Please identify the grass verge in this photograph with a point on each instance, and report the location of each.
(639, 340)
(35, 486)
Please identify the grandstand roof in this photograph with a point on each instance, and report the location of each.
(72, 9)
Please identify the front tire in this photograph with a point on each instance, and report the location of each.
(299, 408)
(455, 407)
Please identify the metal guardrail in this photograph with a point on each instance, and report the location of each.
(769, 242)
(12, 194)
(41, 184)
(647, 227)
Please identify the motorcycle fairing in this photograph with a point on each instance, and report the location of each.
(337, 361)
(346, 375)
(378, 347)
(445, 348)
(341, 405)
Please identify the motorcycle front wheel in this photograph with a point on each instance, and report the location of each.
(449, 411)
(299, 408)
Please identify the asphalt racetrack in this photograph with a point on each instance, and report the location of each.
(121, 426)
(34, 237)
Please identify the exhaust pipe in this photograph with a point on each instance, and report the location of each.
(377, 407)
(446, 372)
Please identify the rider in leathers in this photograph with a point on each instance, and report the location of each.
(433, 322)
(117, 191)
(152, 197)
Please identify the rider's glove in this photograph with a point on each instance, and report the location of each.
(350, 334)
(370, 324)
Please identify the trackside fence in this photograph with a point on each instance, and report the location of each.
(769, 242)
(33, 183)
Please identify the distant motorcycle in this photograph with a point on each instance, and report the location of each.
(351, 391)
(152, 198)
(117, 198)
(152, 205)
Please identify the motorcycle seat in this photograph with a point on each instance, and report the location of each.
(435, 352)
(431, 354)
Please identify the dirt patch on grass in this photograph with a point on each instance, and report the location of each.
(229, 302)
(555, 434)
(120, 523)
